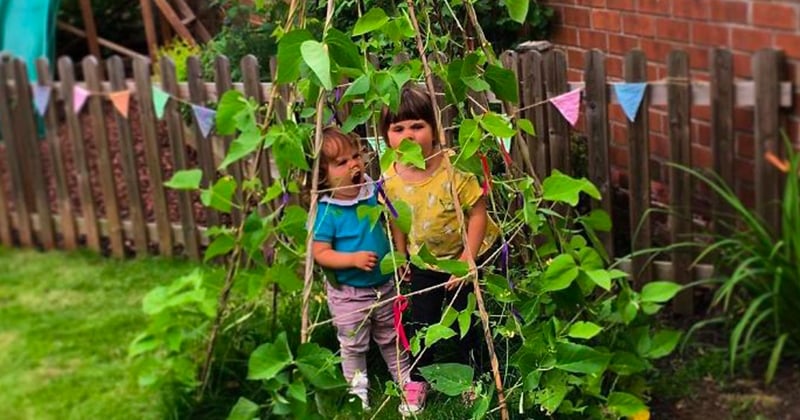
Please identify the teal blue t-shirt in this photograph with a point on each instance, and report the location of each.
(337, 223)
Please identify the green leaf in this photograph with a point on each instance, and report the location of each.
(359, 86)
(404, 216)
(526, 125)
(374, 19)
(246, 143)
(268, 359)
(285, 276)
(561, 187)
(315, 55)
(517, 10)
(221, 245)
(624, 404)
(598, 220)
(496, 125)
(584, 330)
(503, 83)
(369, 212)
(392, 260)
(465, 316)
(220, 196)
(659, 291)
(600, 277)
(230, 105)
(625, 363)
(342, 50)
(358, 115)
(775, 358)
(561, 272)
(319, 366)
(185, 180)
(297, 390)
(454, 267)
(243, 410)
(289, 153)
(469, 138)
(578, 358)
(411, 154)
(289, 57)
(663, 343)
(437, 332)
(387, 159)
(448, 378)
(552, 393)
(449, 316)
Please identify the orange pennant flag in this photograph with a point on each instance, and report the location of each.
(121, 100)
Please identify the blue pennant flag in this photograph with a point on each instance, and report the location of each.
(630, 97)
(205, 118)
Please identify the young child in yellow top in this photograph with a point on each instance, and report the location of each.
(434, 219)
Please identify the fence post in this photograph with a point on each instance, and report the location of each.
(66, 72)
(177, 146)
(598, 135)
(532, 93)
(116, 74)
(13, 164)
(205, 153)
(222, 81)
(767, 75)
(639, 170)
(556, 83)
(252, 89)
(680, 182)
(722, 146)
(92, 74)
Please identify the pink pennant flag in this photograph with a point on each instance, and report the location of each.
(79, 96)
(121, 100)
(41, 98)
(568, 104)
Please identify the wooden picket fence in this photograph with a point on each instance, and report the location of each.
(66, 193)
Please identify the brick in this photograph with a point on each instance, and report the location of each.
(691, 9)
(618, 156)
(714, 35)
(641, 25)
(606, 20)
(741, 65)
(656, 121)
(565, 36)
(676, 30)
(790, 44)
(614, 67)
(655, 7)
(702, 157)
(575, 58)
(775, 16)
(653, 71)
(745, 145)
(593, 39)
(618, 130)
(659, 146)
(574, 75)
(747, 194)
(620, 44)
(701, 113)
(576, 16)
(701, 133)
(745, 39)
(621, 5)
(743, 119)
(594, 3)
(730, 11)
(745, 170)
(656, 50)
(699, 58)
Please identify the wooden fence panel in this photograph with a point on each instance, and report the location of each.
(722, 145)
(92, 75)
(518, 149)
(23, 224)
(205, 154)
(222, 80)
(766, 72)
(532, 94)
(680, 182)
(147, 117)
(66, 73)
(116, 74)
(597, 132)
(559, 134)
(252, 89)
(635, 71)
(36, 182)
(177, 143)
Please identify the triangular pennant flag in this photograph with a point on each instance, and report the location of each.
(629, 96)
(41, 98)
(79, 96)
(121, 100)
(205, 118)
(160, 99)
(568, 104)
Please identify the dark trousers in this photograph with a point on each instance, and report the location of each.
(427, 309)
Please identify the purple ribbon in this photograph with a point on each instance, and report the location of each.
(379, 186)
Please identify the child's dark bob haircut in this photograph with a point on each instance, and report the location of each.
(334, 141)
(415, 104)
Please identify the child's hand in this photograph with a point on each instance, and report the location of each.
(405, 272)
(364, 260)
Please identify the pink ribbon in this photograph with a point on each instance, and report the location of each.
(487, 175)
(400, 304)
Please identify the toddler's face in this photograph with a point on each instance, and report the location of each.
(418, 131)
(346, 169)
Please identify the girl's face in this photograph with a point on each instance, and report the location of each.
(344, 170)
(418, 131)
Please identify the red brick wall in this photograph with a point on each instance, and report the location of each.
(696, 26)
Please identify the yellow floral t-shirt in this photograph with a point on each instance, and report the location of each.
(433, 214)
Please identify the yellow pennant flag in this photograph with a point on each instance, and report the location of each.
(121, 100)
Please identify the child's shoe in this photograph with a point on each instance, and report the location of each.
(359, 386)
(413, 398)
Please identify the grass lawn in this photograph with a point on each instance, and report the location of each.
(65, 324)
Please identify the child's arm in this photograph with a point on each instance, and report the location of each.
(477, 218)
(327, 257)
